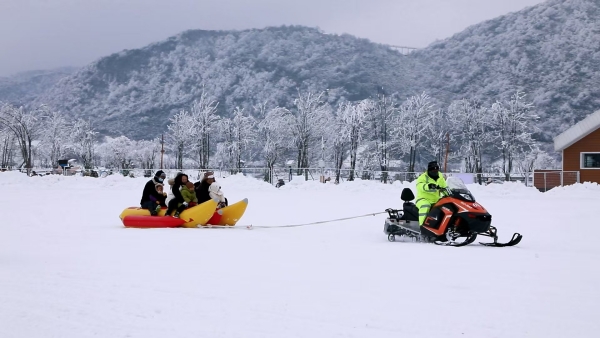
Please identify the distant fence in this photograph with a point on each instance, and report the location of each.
(541, 179)
(318, 174)
(545, 180)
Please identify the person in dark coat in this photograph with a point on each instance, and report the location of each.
(180, 179)
(201, 188)
(150, 190)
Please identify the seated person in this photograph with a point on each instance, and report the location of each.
(150, 190)
(189, 198)
(215, 192)
(201, 187)
(159, 200)
(189, 195)
(174, 204)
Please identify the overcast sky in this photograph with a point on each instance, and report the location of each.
(43, 34)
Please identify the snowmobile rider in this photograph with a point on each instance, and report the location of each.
(428, 193)
(150, 190)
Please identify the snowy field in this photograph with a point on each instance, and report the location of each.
(68, 268)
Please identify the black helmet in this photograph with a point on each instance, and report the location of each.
(433, 165)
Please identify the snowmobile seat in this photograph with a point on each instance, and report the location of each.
(407, 195)
(411, 212)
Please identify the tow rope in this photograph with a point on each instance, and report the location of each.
(250, 226)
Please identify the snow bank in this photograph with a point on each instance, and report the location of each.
(585, 189)
(242, 183)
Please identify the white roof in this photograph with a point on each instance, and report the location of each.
(580, 130)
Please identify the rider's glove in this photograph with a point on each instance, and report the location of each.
(432, 186)
(185, 204)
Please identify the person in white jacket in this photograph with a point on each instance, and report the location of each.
(169, 190)
(215, 192)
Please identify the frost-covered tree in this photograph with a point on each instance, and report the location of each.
(414, 125)
(339, 140)
(438, 134)
(534, 159)
(274, 133)
(238, 134)
(7, 143)
(82, 141)
(54, 136)
(25, 128)
(352, 124)
(472, 122)
(146, 153)
(513, 124)
(181, 134)
(205, 119)
(308, 116)
(380, 119)
(121, 152)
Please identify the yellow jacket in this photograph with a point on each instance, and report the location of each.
(423, 191)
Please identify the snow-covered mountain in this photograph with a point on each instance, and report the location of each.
(550, 51)
(135, 92)
(22, 88)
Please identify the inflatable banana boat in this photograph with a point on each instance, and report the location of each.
(204, 214)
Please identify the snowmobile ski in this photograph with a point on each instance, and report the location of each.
(493, 233)
(452, 241)
(516, 238)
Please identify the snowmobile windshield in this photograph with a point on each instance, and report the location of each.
(458, 188)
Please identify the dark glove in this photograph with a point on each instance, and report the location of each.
(432, 186)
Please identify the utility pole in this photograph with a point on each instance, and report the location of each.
(447, 151)
(162, 149)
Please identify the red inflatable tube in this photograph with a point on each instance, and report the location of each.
(136, 221)
(216, 217)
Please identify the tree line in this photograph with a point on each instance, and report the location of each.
(379, 133)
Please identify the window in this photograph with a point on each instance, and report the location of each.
(590, 160)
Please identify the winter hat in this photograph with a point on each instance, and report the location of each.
(159, 173)
(433, 165)
(159, 185)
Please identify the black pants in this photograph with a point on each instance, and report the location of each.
(173, 207)
(150, 206)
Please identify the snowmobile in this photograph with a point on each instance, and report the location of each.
(455, 220)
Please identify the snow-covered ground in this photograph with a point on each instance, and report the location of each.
(68, 268)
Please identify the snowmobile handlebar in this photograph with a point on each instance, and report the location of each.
(444, 191)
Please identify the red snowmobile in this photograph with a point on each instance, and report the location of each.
(455, 220)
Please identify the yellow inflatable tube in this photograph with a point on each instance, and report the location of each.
(229, 215)
(194, 216)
